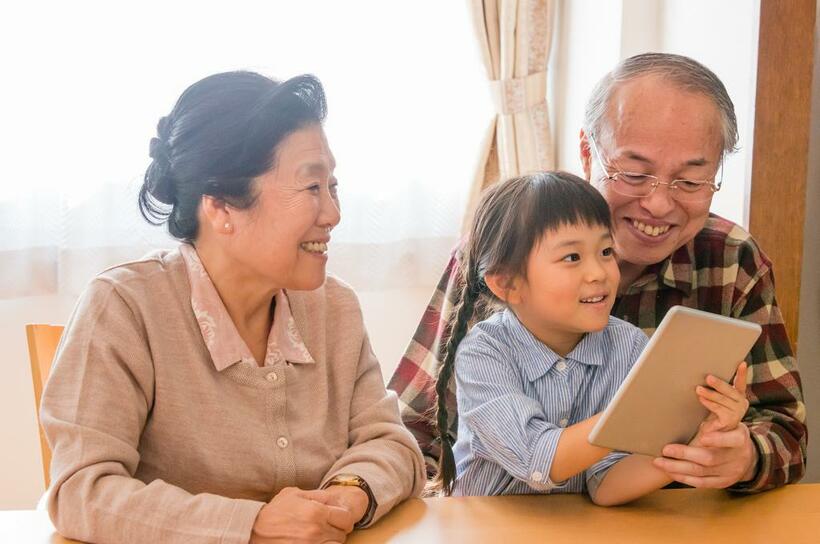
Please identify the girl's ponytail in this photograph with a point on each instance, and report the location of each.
(469, 293)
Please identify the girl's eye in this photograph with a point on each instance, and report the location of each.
(608, 252)
(572, 257)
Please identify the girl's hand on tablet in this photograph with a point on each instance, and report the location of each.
(727, 404)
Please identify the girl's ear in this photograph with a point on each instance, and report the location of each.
(505, 287)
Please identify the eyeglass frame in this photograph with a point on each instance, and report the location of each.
(671, 185)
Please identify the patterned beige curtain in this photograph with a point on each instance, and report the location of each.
(514, 37)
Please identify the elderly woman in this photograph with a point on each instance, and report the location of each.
(226, 391)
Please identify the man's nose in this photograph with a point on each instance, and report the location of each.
(659, 202)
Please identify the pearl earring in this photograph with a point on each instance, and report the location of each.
(228, 227)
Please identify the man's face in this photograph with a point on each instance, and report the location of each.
(654, 128)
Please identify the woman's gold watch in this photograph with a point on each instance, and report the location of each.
(356, 481)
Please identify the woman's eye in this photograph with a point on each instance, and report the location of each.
(314, 188)
(572, 257)
(608, 252)
(334, 189)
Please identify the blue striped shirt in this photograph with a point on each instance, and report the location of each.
(515, 396)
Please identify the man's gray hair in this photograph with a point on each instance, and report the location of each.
(683, 72)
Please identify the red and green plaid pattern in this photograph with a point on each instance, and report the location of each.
(722, 271)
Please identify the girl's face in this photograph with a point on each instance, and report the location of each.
(571, 284)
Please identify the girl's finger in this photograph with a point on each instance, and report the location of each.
(740, 378)
(723, 388)
(719, 398)
(726, 418)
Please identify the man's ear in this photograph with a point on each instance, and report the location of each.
(505, 287)
(586, 154)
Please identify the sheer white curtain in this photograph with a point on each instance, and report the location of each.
(515, 38)
(90, 81)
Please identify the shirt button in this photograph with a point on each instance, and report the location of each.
(561, 366)
(282, 442)
(537, 476)
(563, 422)
(272, 377)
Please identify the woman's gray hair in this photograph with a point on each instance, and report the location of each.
(683, 72)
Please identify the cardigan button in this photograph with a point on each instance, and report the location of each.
(282, 442)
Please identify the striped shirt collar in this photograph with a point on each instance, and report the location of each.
(589, 350)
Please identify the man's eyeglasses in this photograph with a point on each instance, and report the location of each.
(641, 185)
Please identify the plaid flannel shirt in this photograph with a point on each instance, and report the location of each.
(723, 271)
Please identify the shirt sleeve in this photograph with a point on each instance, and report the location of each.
(381, 450)
(93, 411)
(415, 377)
(777, 414)
(508, 427)
(595, 474)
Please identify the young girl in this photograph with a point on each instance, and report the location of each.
(533, 378)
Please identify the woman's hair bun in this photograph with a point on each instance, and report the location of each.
(160, 182)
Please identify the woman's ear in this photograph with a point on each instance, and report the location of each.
(505, 287)
(216, 213)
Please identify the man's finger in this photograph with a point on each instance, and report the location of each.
(698, 455)
(706, 482)
(724, 439)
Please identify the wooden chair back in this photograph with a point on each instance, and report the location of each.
(42, 345)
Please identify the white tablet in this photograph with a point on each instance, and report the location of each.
(656, 404)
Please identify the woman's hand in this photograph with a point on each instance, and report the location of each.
(727, 404)
(351, 497)
(296, 515)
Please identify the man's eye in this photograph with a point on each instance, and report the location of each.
(572, 257)
(689, 185)
(633, 178)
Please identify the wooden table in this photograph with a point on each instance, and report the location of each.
(790, 515)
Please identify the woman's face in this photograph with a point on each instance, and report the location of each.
(283, 238)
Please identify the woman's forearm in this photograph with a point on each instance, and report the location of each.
(628, 479)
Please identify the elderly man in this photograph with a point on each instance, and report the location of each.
(655, 131)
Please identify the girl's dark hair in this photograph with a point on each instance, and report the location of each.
(222, 133)
(511, 219)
